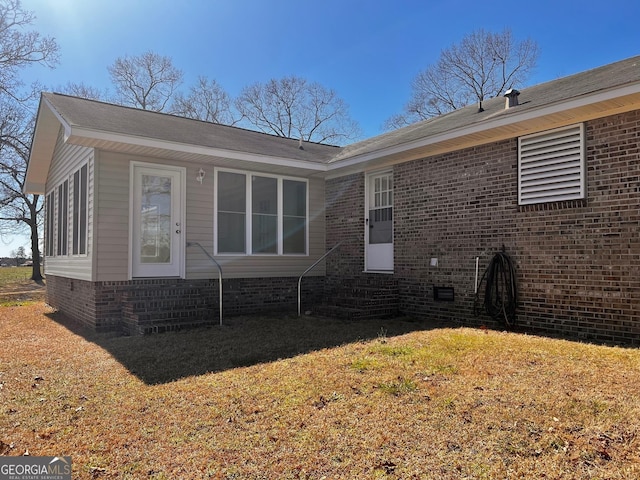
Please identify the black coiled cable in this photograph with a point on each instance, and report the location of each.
(501, 293)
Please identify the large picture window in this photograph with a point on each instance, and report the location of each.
(259, 214)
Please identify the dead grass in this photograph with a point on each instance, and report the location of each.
(17, 288)
(289, 398)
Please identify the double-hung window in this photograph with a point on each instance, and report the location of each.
(260, 214)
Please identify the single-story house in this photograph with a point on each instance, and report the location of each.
(143, 208)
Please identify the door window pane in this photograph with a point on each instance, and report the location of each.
(155, 219)
(381, 225)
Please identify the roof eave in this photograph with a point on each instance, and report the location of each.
(513, 124)
(93, 138)
(45, 136)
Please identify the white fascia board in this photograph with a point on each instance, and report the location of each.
(42, 147)
(63, 122)
(486, 125)
(194, 149)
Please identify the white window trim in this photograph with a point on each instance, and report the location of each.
(545, 186)
(248, 215)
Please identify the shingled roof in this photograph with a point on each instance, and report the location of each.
(530, 99)
(116, 119)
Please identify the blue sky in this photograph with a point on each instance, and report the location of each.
(368, 51)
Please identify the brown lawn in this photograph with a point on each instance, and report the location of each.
(311, 398)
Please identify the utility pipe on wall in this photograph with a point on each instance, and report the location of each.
(476, 282)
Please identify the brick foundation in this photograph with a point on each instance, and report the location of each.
(144, 306)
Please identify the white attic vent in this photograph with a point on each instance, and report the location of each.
(551, 166)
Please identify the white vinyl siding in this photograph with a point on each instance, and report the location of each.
(68, 159)
(112, 216)
(552, 166)
(111, 230)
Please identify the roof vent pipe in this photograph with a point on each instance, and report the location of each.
(511, 96)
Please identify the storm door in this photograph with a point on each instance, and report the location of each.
(379, 222)
(157, 223)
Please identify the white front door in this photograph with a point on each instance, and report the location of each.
(157, 238)
(379, 222)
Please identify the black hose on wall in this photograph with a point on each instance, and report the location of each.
(501, 293)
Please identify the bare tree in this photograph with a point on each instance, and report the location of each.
(18, 210)
(19, 255)
(20, 47)
(147, 81)
(83, 91)
(205, 101)
(295, 108)
(482, 66)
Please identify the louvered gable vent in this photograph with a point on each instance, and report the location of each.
(551, 166)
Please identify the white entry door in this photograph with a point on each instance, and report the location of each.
(157, 237)
(379, 222)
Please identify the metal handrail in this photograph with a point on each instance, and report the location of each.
(311, 267)
(190, 244)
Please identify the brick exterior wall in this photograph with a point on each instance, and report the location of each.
(141, 306)
(358, 294)
(577, 263)
(345, 224)
(73, 297)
